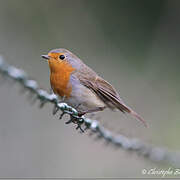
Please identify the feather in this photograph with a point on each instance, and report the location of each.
(109, 96)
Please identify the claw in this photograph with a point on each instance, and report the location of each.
(70, 121)
(79, 127)
(81, 114)
(63, 113)
(79, 124)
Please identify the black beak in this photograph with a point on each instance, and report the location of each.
(45, 56)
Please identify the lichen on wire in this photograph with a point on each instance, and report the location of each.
(156, 154)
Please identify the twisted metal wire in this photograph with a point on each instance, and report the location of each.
(156, 154)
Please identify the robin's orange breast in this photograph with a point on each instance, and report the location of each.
(60, 78)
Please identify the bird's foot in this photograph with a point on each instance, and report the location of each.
(97, 109)
(81, 113)
(78, 121)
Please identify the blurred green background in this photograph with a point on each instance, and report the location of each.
(134, 44)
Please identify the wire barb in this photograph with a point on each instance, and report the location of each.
(55, 109)
(156, 154)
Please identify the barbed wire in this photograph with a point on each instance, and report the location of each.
(156, 154)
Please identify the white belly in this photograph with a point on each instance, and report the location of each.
(83, 99)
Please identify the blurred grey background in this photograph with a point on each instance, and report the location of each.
(134, 44)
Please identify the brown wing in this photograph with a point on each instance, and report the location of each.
(108, 95)
(103, 90)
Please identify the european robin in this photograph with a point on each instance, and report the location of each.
(81, 87)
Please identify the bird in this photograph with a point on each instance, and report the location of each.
(81, 87)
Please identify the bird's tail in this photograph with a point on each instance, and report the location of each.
(137, 116)
(127, 109)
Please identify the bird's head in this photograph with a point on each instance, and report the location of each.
(58, 58)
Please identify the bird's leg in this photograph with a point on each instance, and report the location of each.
(63, 98)
(91, 111)
(76, 107)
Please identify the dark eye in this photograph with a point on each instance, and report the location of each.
(61, 57)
